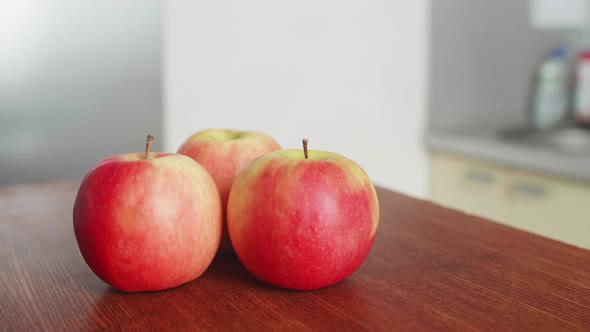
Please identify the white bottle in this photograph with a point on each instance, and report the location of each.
(550, 102)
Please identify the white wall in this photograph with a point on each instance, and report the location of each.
(349, 75)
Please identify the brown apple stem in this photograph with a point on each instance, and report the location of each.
(148, 144)
(305, 147)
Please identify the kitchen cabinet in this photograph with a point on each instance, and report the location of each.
(548, 206)
(469, 185)
(554, 207)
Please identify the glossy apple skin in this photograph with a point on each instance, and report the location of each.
(302, 224)
(223, 153)
(146, 225)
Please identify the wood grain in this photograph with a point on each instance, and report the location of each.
(430, 269)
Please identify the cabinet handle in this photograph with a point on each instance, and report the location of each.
(480, 176)
(530, 189)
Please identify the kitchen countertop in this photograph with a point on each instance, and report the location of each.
(431, 268)
(485, 141)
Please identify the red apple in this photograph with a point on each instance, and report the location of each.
(302, 222)
(148, 222)
(223, 153)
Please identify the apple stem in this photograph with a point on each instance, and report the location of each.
(305, 147)
(148, 144)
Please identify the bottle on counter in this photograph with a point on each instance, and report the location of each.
(550, 97)
(582, 99)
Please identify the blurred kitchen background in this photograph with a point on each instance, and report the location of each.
(477, 105)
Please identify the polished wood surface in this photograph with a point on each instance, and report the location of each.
(430, 269)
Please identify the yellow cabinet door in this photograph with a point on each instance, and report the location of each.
(552, 207)
(471, 186)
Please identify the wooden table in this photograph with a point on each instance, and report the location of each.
(430, 269)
